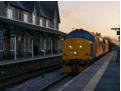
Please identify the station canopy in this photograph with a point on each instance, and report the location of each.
(29, 26)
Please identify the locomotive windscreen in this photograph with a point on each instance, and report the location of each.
(80, 34)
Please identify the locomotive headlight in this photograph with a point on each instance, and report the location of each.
(71, 52)
(70, 46)
(80, 46)
(75, 53)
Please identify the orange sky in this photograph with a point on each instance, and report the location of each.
(94, 16)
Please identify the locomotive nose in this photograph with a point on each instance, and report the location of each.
(76, 49)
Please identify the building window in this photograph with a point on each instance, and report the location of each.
(49, 43)
(43, 22)
(12, 44)
(40, 20)
(1, 42)
(42, 44)
(52, 24)
(48, 23)
(27, 43)
(19, 15)
(34, 17)
(55, 24)
(26, 18)
(10, 13)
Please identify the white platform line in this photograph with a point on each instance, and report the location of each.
(91, 85)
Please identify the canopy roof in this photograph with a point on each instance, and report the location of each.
(26, 26)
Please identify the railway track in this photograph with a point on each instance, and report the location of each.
(58, 83)
(54, 85)
(12, 80)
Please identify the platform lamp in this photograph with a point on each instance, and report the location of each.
(118, 32)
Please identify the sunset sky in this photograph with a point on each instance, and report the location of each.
(94, 16)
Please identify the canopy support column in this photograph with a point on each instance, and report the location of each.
(51, 48)
(15, 48)
(32, 49)
(44, 47)
(58, 45)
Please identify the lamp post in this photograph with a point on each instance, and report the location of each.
(118, 31)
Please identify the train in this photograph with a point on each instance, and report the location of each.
(80, 48)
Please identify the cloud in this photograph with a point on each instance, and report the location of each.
(68, 13)
(91, 17)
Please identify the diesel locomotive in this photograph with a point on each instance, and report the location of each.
(80, 48)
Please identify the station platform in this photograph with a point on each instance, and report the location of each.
(14, 68)
(20, 60)
(103, 75)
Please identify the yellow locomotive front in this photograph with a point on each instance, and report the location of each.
(77, 51)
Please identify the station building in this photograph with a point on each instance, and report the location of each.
(29, 29)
